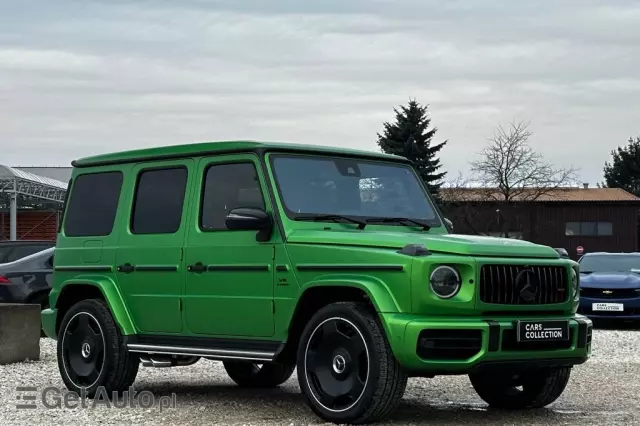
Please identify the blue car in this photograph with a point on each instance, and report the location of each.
(610, 286)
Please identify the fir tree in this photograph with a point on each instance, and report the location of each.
(411, 137)
(624, 170)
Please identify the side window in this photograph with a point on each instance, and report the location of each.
(226, 187)
(93, 203)
(159, 200)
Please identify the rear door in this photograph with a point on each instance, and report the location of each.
(149, 257)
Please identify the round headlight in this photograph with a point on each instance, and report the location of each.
(445, 282)
(574, 282)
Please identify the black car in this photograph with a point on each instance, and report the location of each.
(27, 280)
(10, 251)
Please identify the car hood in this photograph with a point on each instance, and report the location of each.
(610, 280)
(469, 245)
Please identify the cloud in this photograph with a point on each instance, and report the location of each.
(78, 78)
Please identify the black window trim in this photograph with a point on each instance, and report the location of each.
(135, 194)
(115, 216)
(436, 222)
(203, 183)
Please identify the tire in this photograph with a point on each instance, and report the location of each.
(344, 344)
(91, 351)
(539, 388)
(255, 375)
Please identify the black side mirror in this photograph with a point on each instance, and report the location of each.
(562, 252)
(250, 219)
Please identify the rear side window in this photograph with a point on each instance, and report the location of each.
(159, 200)
(92, 205)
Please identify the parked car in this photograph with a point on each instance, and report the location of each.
(28, 279)
(277, 257)
(610, 286)
(11, 251)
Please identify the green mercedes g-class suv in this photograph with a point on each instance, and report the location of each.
(331, 262)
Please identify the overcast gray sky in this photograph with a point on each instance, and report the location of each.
(84, 77)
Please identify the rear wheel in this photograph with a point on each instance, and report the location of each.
(251, 374)
(346, 369)
(526, 389)
(91, 351)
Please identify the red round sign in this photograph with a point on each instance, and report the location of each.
(579, 249)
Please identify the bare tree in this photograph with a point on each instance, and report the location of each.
(458, 196)
(511, 170)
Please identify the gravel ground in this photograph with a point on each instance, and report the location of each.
(605, 391)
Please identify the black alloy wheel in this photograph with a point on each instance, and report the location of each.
(337, 364)
(346, 369)
(83, 346)
(91, 351)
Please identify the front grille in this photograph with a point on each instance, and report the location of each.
(510, 343)
(449, 344)
(610, 293)
(501, 285)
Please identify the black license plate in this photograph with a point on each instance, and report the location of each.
(543, 331)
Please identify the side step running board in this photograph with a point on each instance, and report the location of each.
(221, 354)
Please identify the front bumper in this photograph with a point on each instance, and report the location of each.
(630, 306)
(481, 343)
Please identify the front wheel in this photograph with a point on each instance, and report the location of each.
(527, 389)
(346, 369)
(91, 352)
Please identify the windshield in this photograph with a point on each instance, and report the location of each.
(609, 263)
(351, 187)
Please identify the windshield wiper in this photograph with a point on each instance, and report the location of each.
(332, 217)
(400, 220)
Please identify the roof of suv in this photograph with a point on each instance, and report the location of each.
(222, 147)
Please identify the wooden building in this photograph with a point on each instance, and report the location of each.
(597, 219)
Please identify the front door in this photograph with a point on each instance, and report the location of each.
(149, 259)
(229, 284)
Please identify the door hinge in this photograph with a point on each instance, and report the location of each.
(273, 307)
(180, 304)
(181, 254)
